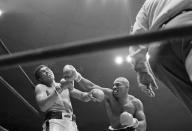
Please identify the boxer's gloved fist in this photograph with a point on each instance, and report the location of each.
(62, 82)
(70, 73)
(97, 95)
(127, 119)
(66, 84)
(135, 123)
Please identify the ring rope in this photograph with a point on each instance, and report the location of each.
(2, 128)
(19, 96)
(89, 46)
(20, 68)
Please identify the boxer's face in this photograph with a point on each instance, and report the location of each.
(116, 89)
(46, 74)
(120, 86)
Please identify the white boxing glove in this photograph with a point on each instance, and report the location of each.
(127, 119)
(66, 84)
(70, 73)
(97, 95)
(135, 123)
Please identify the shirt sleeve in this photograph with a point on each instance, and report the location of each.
(141, 24)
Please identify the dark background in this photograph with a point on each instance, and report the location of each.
(30, 24)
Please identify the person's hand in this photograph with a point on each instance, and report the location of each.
(96, 95)
(126, 119)
(70, 73)
(147, 83)
(145, 79)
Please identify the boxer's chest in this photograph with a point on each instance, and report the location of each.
(129, 107)
(118, 108)
(64, 96)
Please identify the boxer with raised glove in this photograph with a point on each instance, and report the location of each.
(116, 99)
(53, 98)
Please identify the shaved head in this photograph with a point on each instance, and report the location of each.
(122, 80)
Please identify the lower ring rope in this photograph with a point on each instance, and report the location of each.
(20, 68)
(20, 97)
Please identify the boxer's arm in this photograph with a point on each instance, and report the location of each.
(82, 96)
(140, 116)
(44, 98)
(70, 74)
(88, 86)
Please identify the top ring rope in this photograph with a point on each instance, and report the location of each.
(93, 45)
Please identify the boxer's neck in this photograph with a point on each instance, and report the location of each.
(53, 84)
(123, 98)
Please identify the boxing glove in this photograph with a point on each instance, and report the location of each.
(98, 95)
(66, 84)
(70, 73)
(127, 119)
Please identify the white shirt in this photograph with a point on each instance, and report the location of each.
(154, 13)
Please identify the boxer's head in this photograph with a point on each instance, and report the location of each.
(44, 74)
(120, 86)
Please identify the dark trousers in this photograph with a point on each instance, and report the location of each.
(168, 61)
(126, 129)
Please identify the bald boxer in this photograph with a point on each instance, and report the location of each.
(53, 98)
(170, 60)
(125, 112)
